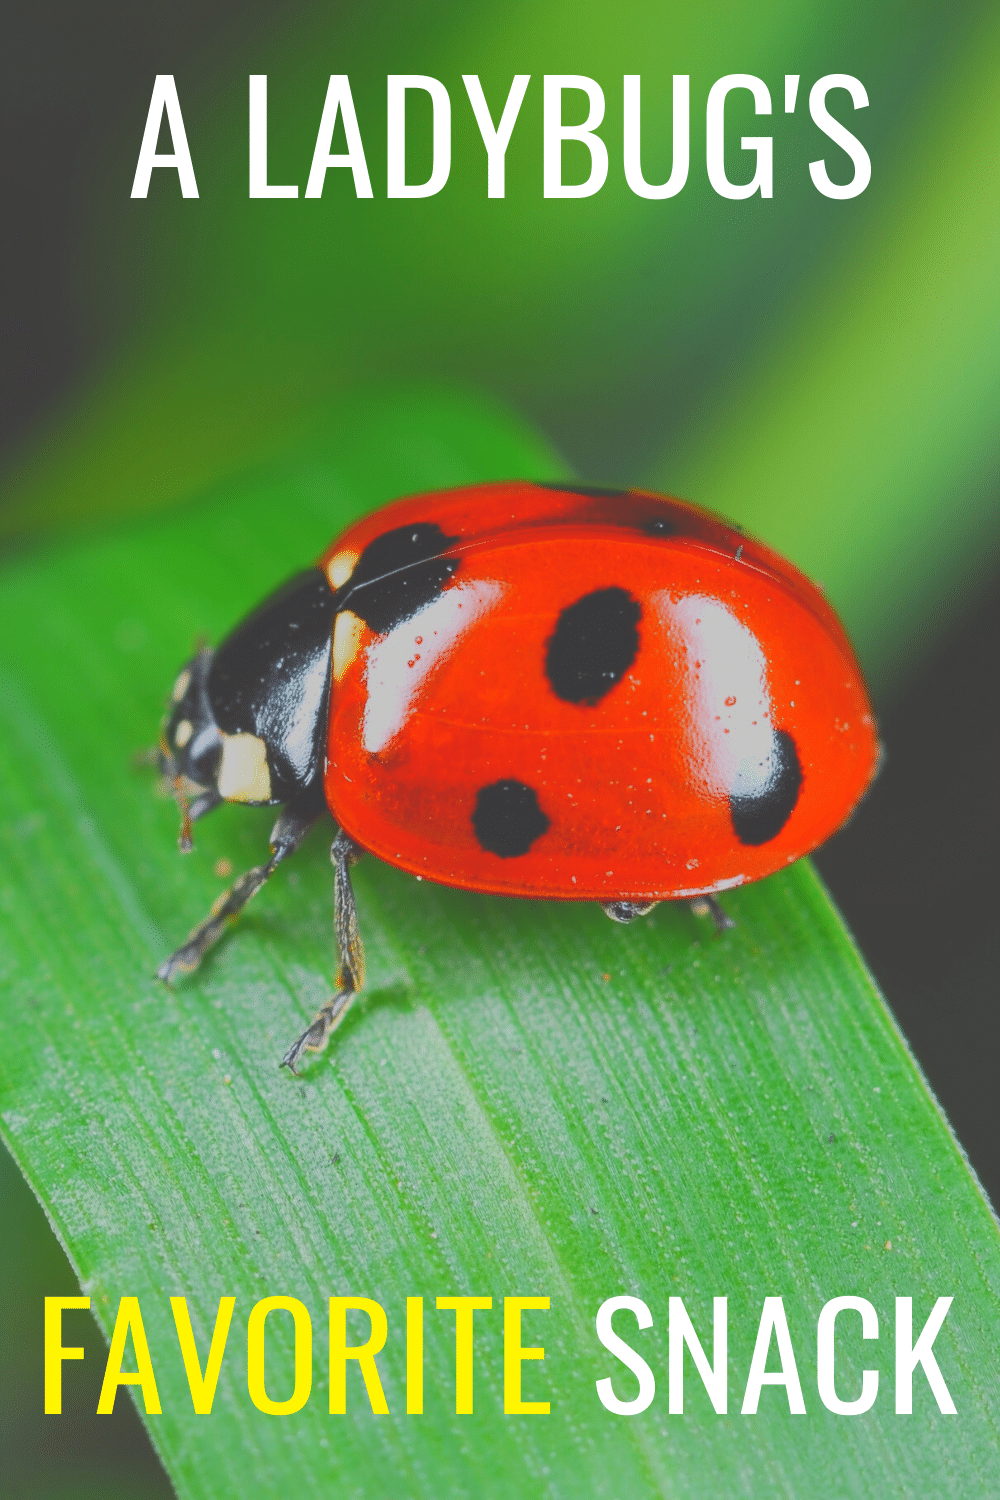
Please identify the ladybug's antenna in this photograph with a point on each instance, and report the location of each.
(185, 843)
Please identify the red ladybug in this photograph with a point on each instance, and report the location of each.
(539, 690)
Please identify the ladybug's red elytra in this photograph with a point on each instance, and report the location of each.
(529, 689)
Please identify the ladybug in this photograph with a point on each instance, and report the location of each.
(544, 690)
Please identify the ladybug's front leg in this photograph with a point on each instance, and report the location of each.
(350, 954)
(286, 836)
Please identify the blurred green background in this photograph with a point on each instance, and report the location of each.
(824, 372)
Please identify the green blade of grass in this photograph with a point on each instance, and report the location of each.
(529, 1100)
(871, 413)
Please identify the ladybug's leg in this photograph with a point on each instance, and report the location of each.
(350, 954)
(627, 911)
(707, 906)
(286, 836)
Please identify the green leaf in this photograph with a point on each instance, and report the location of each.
(871, 413)
(528, 1100)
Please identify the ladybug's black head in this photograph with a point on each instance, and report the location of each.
(247, 722)
(190, 744)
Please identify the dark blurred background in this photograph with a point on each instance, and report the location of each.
(914, 873)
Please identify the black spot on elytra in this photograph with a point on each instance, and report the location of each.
(760, 815)
(563, 487)
(659, 526)
(397, 574)
(508, 819)
(594, 644)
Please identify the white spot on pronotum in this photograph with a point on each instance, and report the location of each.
(244, 775)
(181, 685)
(340, 567)
(183, 733)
